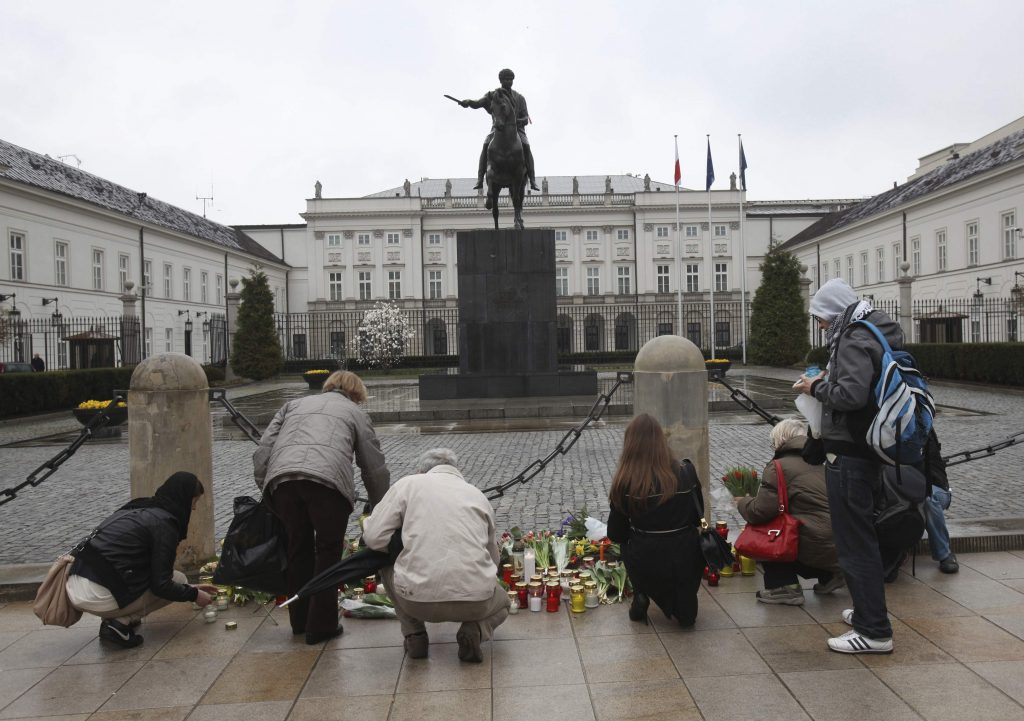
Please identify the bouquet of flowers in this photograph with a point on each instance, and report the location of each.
(560, 551)
(575, 524)
(611, 582)
(540, 541)
(741, 481)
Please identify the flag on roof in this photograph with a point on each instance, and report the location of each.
(743, 167)
(679, 173)
(711, 168)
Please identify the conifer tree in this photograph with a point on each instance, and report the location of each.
(778, 324)
(257, 352)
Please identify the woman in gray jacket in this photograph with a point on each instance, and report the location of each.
(304, 463)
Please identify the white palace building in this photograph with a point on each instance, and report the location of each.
(75, 244)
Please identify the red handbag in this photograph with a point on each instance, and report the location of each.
(778, 540)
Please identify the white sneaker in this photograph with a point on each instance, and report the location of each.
(854, 642)
(848, 617)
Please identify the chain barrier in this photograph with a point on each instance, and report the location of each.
(219, 395)
(535, 467)
(748, 404)
(50, 467)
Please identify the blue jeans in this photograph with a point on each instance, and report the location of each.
(853, 484)
(935, 522)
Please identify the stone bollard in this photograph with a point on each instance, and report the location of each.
(169, 430)
(670, 382)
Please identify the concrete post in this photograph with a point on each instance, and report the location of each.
(169, 430)
(131, 333)
(906, 303)
(233, 298)
(671, 383)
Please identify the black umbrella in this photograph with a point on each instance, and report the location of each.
(352, 567)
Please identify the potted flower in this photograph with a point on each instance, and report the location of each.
(716, 367)
(315, 378)
(87, 410)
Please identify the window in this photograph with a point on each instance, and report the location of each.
(897, 258)
(622, 234)
(394, 284)
(692, 277)
(122, 270)
(661, 272)
(593, 280)
(219, 285)
(562, 280)
(186, 284)
(334, 240)
(17, 256)
(625, 276)
(1009, 235)
(363, 239)
(691, 231)
(864, 277)
(824, 272)
(434, 283)
(915, 256)
(560, 235)
(972, 243)
(849, 271)
(435, 238)
(168, 276)
(940, 250)
(879, 264)
(721, 276)
(299, 345)
(723, 333)
(168, 340)
(394, 238)
(365, 286)
(97, 269)
(334, 286)
(149, 342)
(204, 287)
(147, 276)
(720, 231)
(591, 235)
(836, 272)
(60, 263)
(337, 341)
(661, 231)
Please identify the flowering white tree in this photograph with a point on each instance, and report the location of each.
(382, 336)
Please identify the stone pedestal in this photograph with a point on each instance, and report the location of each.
(169, 430)
(507, 317)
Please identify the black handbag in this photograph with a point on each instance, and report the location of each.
(716, 550)
(255, 552)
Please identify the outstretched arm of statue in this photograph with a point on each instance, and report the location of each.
(484, 102)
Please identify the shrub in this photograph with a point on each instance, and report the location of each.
(256, 351)
(25, 393)
(382, 336)
(778, 324)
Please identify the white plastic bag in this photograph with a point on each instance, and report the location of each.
(596, 530)
(810, 408)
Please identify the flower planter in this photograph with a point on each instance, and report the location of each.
(315, 382)
(717, 370)
(117, 415)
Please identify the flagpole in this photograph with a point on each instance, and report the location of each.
(679, 249)
(711, 249)
(743, 256)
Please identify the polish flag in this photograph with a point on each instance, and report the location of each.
(679, 173)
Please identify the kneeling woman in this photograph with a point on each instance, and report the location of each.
(654, 518)
(126, 569)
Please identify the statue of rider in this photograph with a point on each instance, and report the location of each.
(505, 77)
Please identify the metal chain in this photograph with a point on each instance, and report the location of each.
(219, 395)
(50, 467)
(748, 404)
(989, 450)
(572, 435)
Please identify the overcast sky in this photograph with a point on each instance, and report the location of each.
(259, 99)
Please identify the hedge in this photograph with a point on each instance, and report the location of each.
(992, 363)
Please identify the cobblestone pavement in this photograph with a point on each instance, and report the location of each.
(43, 521)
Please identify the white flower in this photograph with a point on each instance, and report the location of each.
(382, 336)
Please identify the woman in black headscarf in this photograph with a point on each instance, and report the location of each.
(125, 569)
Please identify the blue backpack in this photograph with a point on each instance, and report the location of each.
(899, 431)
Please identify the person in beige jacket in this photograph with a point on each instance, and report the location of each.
(447, 570)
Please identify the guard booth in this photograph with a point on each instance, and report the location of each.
(92, 349)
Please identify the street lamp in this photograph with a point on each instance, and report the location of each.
(1017, 292)
(57, 317)
(206, 323)
(977, 284)
(4, 297)
(188, 330)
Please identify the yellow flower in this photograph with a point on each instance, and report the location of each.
(718, 360)
(316, 372)
(94, 405)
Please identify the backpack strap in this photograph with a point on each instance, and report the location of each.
(783, 492)
(877, 333)
(687, 470)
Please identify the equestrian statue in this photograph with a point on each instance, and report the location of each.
(505, 159)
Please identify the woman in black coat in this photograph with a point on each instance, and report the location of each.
(125, 569)
(654, 518)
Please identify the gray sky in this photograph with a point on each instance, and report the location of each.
(260, 98)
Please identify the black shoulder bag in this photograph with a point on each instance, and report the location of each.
(716, 549)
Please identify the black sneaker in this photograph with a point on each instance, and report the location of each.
(949, 564)
(119, 634)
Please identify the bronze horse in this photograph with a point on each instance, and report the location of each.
(506, 164)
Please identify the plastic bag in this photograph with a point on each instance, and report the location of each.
(810, 408)
(596, 530)
(255, 552)
(361, 609)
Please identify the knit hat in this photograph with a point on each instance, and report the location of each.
(832, 299)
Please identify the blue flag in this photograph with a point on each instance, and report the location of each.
(711, 168)
(743, 167)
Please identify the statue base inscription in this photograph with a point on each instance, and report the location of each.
(507, 318)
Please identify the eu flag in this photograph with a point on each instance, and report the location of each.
(743, 168)
(711, 168)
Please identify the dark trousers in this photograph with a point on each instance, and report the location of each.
(853, 484)
(780, 574)
(315, 518)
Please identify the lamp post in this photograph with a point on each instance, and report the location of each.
(188, 330)
(976, 309)
(206, 331)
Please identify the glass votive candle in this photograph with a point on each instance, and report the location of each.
(536, 595)
(566, 582)
(585, 576)
(727, 570)
(537, 578)
(748, 566)
(591, 597)
(358, 594)
(513, 602)
(506, 574)
(578, 602)
(222, 600)
(713, 577)
(521, 593)
(517, 561)
(210, 614)
(514, 579)
(370, 584)
(554, 591)
(722, 529)
(588, 561)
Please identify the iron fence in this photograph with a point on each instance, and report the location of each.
(967, 320)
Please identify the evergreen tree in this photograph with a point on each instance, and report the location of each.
(778, 323)
(257, 352)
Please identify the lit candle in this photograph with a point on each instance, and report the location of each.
(579, 604)
(713, 577)
(591, 597)
(529, 563)
(521, 592)
(209, 615)
(536, 595)
(513, 602)
(554, 590)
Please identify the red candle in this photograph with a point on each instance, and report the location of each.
(370, 584)
(722, 529)
(521, 590)
(554, 589)
(713, 578)
(706, 570)
(506, 574)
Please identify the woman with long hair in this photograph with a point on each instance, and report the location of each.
(654, 518)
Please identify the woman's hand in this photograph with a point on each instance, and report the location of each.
(203, 599)
(803, 384)
(212, 590)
